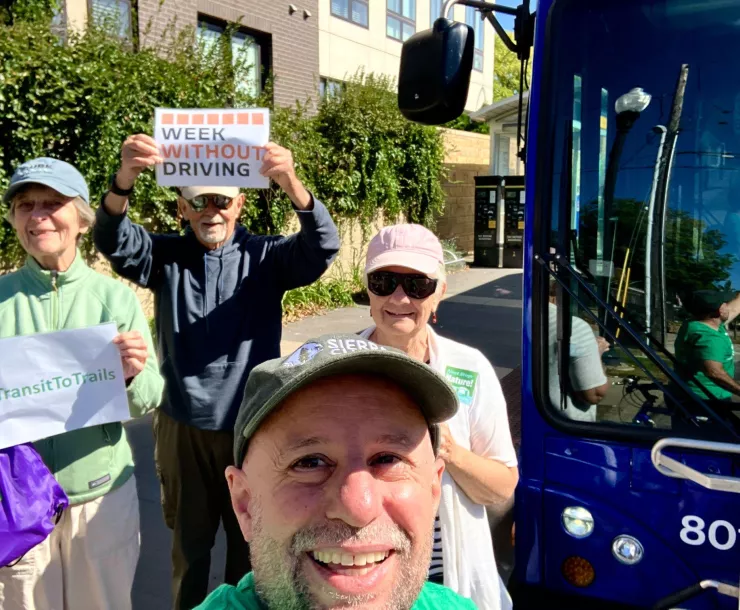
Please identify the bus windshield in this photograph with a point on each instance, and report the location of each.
(638, 176)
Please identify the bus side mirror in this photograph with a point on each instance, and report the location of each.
(435, 73)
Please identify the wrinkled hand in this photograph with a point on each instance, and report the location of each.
(133, 353)
(603, 345)
(137, 153)
(278, 164)
(447, 445)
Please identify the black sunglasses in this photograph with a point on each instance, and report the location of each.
(200, 203)
(416, 286)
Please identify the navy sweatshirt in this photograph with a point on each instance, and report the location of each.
(218, 312)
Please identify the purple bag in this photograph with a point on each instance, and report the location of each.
(31, 502)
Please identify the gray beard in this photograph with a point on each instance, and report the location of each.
(213, 236)
(281, 585)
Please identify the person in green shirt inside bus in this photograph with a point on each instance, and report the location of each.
(704, 350)
(338, 479)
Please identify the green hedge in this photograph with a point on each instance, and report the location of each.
(77, 100)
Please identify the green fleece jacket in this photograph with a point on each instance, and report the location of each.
(88, 462)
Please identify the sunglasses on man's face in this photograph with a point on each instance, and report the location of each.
(415, 285)
(200, 203)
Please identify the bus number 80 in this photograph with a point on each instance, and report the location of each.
(693, 533)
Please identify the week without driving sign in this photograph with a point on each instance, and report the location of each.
(211, 147)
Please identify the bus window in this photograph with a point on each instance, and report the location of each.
(644, 203)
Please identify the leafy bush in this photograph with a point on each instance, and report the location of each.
(325, 293)
(465, 123)
(80, 99)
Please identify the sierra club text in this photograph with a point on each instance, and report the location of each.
(57, 383)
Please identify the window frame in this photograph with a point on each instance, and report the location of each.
(349, 19)
(60, 28)
(263, 41)
(402, 19)
(472, 19)
(501, 142)
(90, 4)
(326, 86)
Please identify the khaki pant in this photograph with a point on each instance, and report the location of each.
(195, 499)
(87, 563)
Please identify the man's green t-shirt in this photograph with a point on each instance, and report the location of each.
(697, 342)
(244, 597)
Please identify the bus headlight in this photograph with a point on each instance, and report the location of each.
(627, 550)
(577, 521)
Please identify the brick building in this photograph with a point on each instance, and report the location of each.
(280, 37)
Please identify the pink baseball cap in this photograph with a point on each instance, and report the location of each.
(406, 245)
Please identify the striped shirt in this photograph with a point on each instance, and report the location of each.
(436, 568)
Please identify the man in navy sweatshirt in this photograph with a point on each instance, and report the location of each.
(218, 291)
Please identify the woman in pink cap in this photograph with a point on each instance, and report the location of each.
(405, 275)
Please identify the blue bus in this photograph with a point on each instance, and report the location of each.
(632, 139)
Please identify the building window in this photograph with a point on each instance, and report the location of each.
(59, 21)
(400, 21)
(501, 148)
(329, 86)
(355, 11)
(112, 15)
(473, 19)
(245, 51)
(435, 10)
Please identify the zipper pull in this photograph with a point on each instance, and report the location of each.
(54, 280)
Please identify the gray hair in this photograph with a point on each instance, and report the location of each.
(85, 212)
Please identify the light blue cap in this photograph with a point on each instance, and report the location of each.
(58, 175)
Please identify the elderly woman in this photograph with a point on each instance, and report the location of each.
(88, 561)
(406, 281)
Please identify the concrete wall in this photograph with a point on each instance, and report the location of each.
(467, 156)
(344, 47)
(354, 244)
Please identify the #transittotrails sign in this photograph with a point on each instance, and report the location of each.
(211, 147)
(55, 382)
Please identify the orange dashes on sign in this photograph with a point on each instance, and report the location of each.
(227, 118)
(216, 147)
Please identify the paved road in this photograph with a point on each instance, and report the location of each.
(482, 309)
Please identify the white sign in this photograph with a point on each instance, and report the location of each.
(55, 382)
(212, 147)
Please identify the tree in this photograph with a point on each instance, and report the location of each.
(694, 253)
(506, 69)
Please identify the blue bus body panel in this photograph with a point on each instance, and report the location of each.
(615, 481)
(529, 498)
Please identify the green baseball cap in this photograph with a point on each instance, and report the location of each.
(704, 302)
(271, 382)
